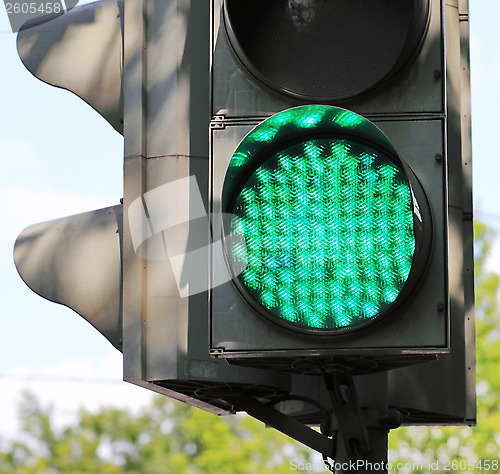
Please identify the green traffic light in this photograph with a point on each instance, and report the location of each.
(327, 222)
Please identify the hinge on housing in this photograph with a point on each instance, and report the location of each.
(218, 122)
(216, 352)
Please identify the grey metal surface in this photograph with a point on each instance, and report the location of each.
(80, 51)
(166, 141)
(156, 318)
(444, 391)
(76, 261)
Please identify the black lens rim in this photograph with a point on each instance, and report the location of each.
(421, 14)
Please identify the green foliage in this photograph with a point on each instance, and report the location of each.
(470, 449)
(165, 437)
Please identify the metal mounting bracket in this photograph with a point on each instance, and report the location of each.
(285, 424)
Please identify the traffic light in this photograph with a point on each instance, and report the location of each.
(326, 51)
(338, 146)
(295, 212)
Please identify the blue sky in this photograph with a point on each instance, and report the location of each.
(59, 157)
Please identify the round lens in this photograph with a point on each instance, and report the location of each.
(328, 228)
(325, 50)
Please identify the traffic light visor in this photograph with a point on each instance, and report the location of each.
(330, 221)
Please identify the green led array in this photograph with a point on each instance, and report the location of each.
(328, 231)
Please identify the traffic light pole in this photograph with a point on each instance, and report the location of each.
(350, 425)
(375, 460)
(361, 433)
(352, 438)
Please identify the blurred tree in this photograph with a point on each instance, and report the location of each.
(165, 437)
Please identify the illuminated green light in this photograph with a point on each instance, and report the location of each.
(265, 134)
(346, 118)
(298, 118)
(328, 228)
(239, 159)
